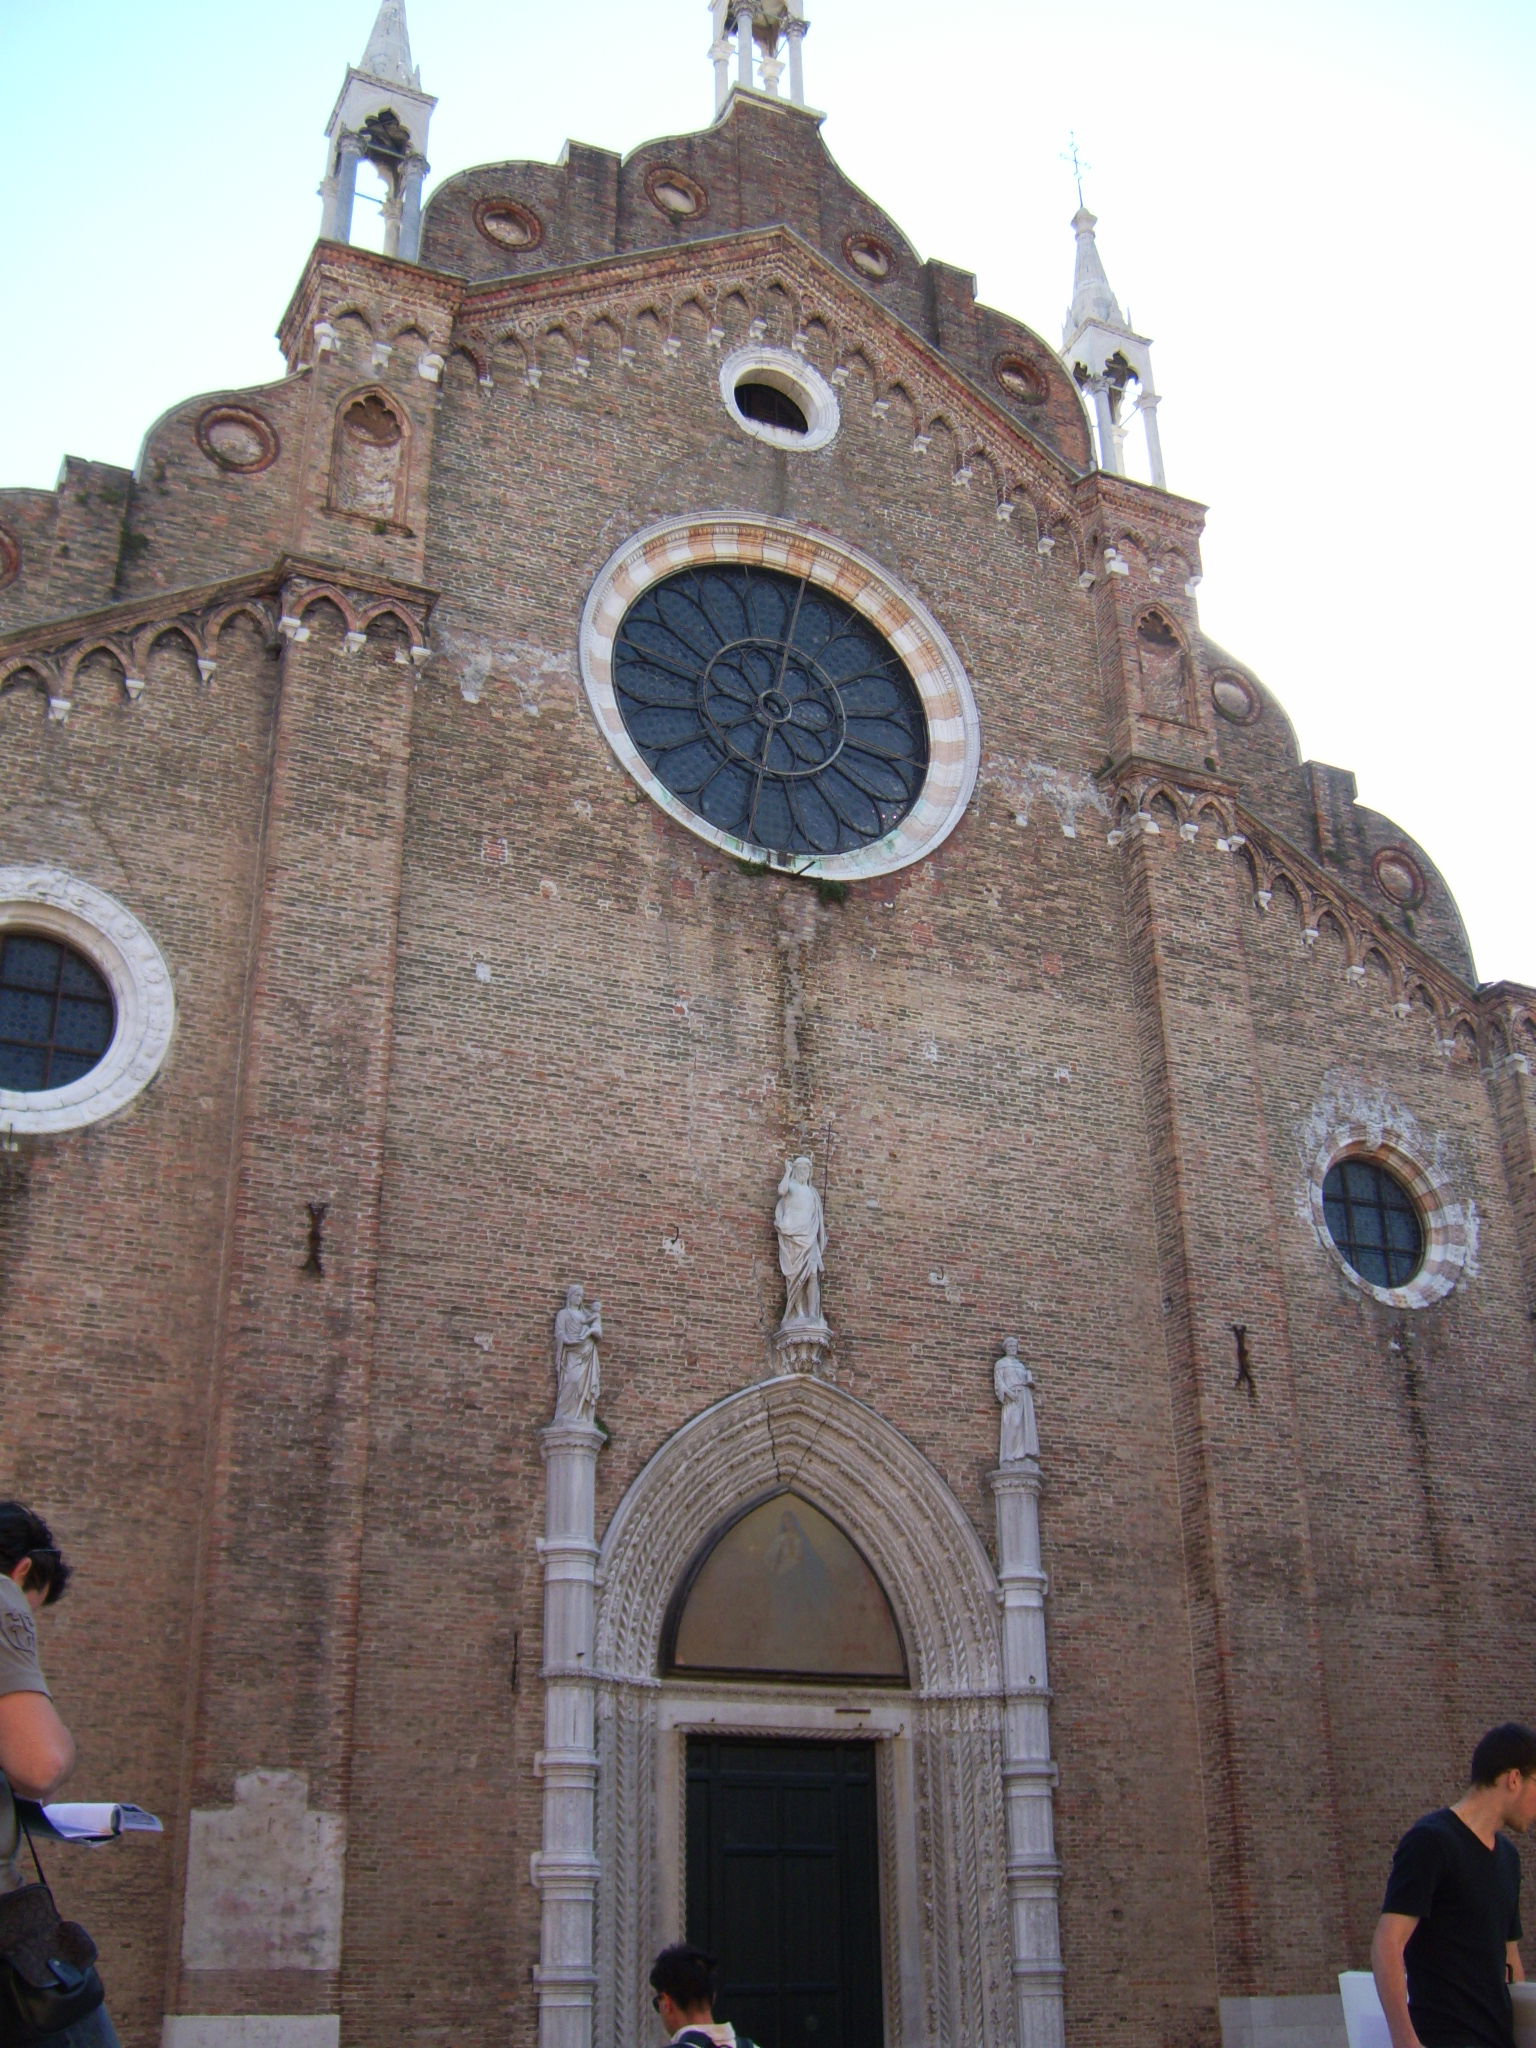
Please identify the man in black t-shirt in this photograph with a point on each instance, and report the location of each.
(1447, 1943)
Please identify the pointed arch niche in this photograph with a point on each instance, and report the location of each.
(958, 1965)
(369, 453)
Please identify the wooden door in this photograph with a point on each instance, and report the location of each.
(783, 1887)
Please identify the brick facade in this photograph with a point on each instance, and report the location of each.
(443, 972)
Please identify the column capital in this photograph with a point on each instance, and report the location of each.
(571, 1436)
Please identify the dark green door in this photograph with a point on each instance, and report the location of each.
(783, 1887)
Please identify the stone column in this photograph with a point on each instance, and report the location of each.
(1029, 1776)
(1109, 439)
(794, 30)
(339, 192)
(412, 173)
(1149, 405)
(720, 51)
(565, 1869)
(744, 73)
(393, 206)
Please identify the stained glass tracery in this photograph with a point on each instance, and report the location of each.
(771, 708)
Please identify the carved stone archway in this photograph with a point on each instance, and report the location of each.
(951, 1965)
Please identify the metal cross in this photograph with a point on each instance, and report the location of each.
(1073, 155)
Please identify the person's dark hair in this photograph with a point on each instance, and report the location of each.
(686, 1975)
(25, 1535)
(1509, 1747)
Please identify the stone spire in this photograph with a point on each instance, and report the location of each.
(381, 118)
(1092, 298)
(1112, 365)
(388, 55)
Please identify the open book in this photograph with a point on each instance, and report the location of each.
(87, 1820)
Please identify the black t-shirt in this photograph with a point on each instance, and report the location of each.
(1466, 1899)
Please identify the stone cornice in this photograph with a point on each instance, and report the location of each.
(1143, 792)
(274, 600)
(388, 275)
(619, 288)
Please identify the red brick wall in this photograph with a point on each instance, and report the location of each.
(1055, 1083)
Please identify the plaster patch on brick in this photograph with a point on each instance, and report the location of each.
(1022, 788)
(535, 673)
(264, 1880)
(251, 2030)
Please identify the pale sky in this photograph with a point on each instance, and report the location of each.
(1320, 213)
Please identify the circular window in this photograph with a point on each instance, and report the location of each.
(1398, 877)
(674, 193)
(771, 708)
(1021, 380)
(870, 257)
(1235, 700)
(779, 696)
(236, 438)
(1394, 1224)
(86, 1007)
(776, 396)
(508, 225)
(1373, 1221)
(56, 1013)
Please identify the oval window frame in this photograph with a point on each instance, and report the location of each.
(1449, 1224)
(59, 906)
(784, 371)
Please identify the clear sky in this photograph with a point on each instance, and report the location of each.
(1319, 212)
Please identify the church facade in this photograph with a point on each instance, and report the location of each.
(727, 1207)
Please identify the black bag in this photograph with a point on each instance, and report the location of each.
(48, 1977)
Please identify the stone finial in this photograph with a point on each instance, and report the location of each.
(1092, 298)
(388, 55)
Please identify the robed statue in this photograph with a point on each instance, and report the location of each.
(578, 1377)
(1013, 1382)
(802, 1230)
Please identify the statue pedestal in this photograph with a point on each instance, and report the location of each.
(565, 1870)
(802, 1346)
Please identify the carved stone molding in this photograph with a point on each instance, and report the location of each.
(274, 601)
(949, 1963)
(908, 382)
(1488, 1025)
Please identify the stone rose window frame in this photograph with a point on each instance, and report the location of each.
(1449, 1224)
(949, 706)
(58, 906)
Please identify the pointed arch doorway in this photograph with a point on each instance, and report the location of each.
(781, 1851)
(948, 1959)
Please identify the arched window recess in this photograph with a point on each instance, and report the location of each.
(781, 1592)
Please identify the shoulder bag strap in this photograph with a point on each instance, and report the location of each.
(21, 1823)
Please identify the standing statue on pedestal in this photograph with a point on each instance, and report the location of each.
(578, 1378)
(1019, 1438)
(802, 1230)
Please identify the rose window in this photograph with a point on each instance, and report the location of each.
(771, 709)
